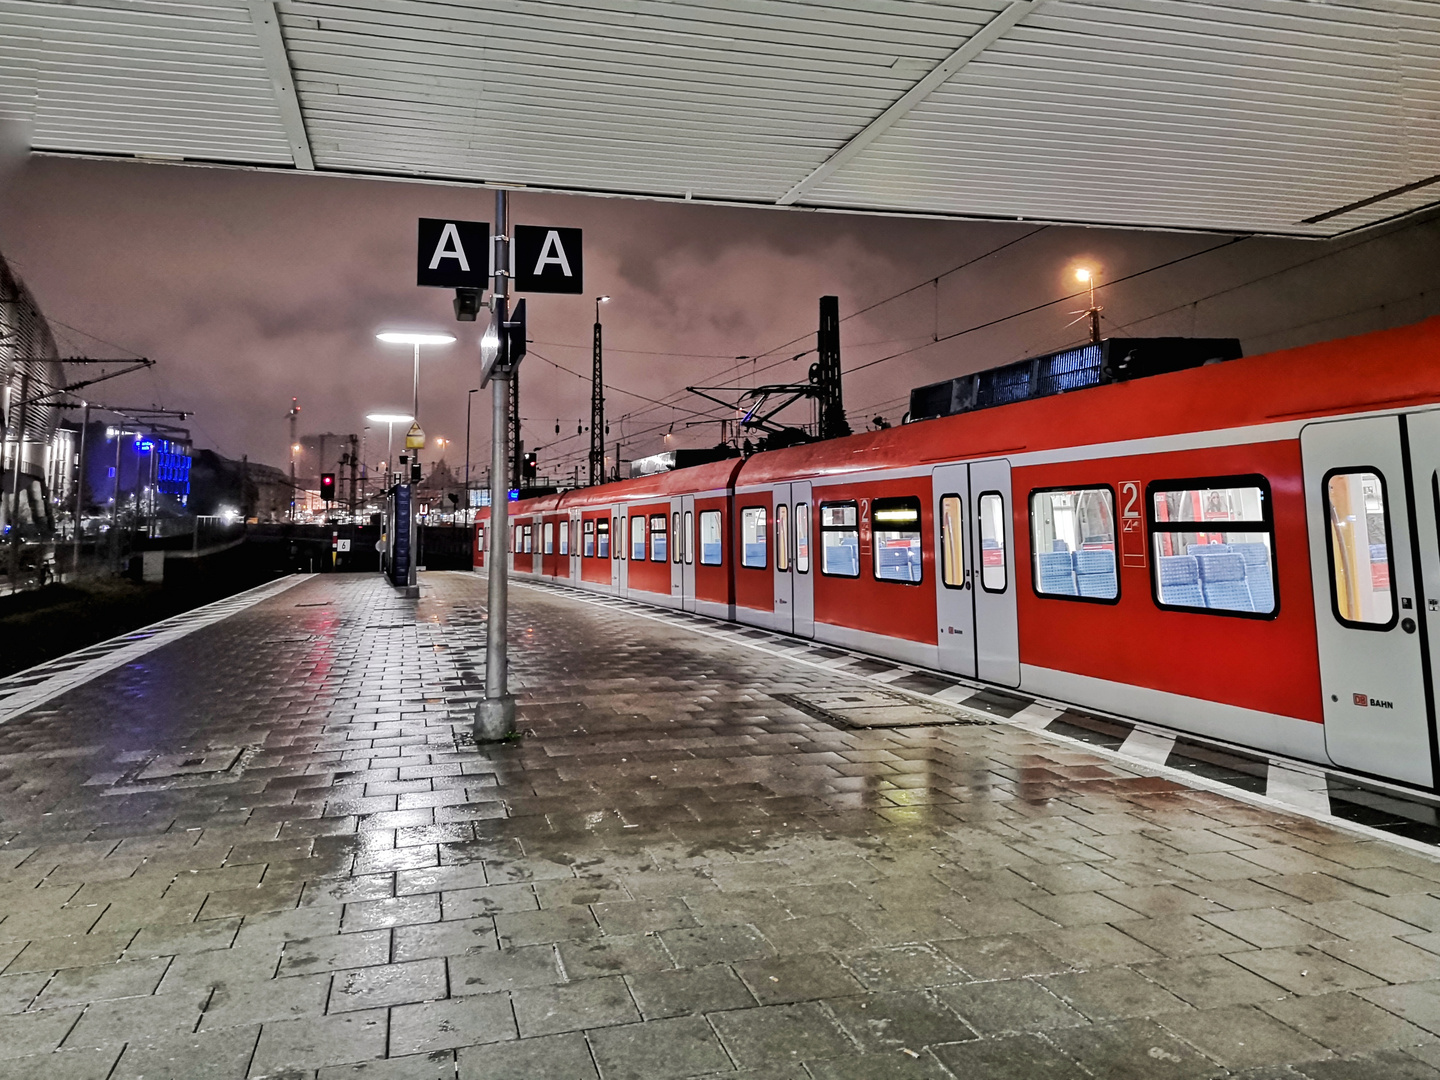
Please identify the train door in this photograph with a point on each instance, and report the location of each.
(572, 568)
(802, 577)
(954, 596)
(686, 542)
(781, 544)
(992, 551)
(621, 543)
(1368, 484)
(675, 551)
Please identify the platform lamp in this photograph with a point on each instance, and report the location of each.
(389, 420)
(1086, 276)
(407, 337)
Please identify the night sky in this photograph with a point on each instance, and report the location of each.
(250, 288)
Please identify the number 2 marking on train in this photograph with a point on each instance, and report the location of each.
(1130, 498)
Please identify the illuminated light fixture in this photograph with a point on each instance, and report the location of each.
(405, 337)
(1082, 274)
(389, 418)
(896, 515)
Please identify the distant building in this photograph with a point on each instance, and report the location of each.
(33, 440)
(434, 490)
(149, 473)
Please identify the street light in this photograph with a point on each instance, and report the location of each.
(468, 400)
(389, 420)
(405, 337)
(1086, 276)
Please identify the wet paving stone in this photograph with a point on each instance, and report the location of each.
(672, 872)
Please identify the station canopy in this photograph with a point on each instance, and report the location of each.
(1298, 117)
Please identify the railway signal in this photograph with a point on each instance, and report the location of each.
(327, 486)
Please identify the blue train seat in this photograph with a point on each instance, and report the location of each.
(1180, 581)
(1222, 580)
(1257, 574)
(1057, 573)
(1095, 574)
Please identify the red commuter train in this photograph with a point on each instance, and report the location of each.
(1248, 550)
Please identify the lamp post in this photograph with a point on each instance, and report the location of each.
(389, 420)
(405, 337)
(1086, 276)
(469, 400)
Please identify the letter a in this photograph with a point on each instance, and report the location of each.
(450, 235)
(552, 244)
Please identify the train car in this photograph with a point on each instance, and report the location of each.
(1248, 550)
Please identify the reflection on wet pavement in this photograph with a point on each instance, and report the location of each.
(271, 849)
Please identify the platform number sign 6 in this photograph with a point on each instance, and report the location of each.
(1132, 524)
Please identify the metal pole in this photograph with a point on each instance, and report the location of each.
(495, 714)
(79, 490)
(597, 409)
(115, 502)
(469, 400)
(415, 411)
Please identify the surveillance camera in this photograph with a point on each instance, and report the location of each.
(467, 304)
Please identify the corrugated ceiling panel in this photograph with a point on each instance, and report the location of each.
(728, 100)
(1167, 112)
(1232, 114)
(177, 79)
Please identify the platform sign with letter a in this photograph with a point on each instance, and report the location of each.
(547, 259)
(453, 254)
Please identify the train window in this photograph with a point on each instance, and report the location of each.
(711, 538)
(1073, 533)
(839, 540)
(675, 543)
(802, 537)
(1213, 543)
(994, 570)
(589, 549)
(952, 542)
(1362, 578)
(782, 537)
(603, 529)
(529, 539)
(689, 537)
(657, 538)
(637, 536)
(565, 537)
(897, 539)
(752, 537)
(549, 535)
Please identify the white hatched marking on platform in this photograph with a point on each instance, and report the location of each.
(956, 694)
(1148, 746)
(135, 644)
(1034, 715)
(1298, 787)
(891, 676)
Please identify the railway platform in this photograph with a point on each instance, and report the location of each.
(258, 841)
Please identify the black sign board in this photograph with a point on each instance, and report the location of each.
(453, 254)
(548, 260)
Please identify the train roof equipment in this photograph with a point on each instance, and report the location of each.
(1107, 361)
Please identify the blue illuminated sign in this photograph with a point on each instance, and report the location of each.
(514, 494)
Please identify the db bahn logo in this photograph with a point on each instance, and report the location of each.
(1364, 701)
